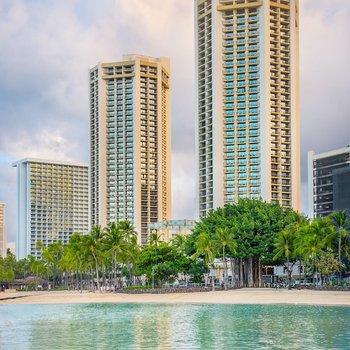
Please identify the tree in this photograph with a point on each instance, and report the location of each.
(255, 224)
(341, 222)
(116, 243)
(92, 244)
(328, 264)
(52, 258)
(196, 269)
(297, 225)
(179, 242)
(132, 251)
(206, 247)
(37, 268)
(75, 255)
(22, 268)
(288, 244)
(285, 244)
(316, 239)
(161, 262)
(7, 268)
(224, 238)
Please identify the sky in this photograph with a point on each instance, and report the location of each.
(47, 47)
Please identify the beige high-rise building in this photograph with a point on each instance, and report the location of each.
(130, 142)
(52, 203)
(169, 229)
(3, 240)
(247, 72)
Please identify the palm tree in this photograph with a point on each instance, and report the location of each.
(52, 256)
(128, 230)
(115, 243)
(341, 222)
(154, 239)
(285, 249)
(76, 255)
(179, 241)
(205, 246)
(316, 239)
(37, 268)
(132, 251)
(224, 238)
(297, 225)
(92, 243)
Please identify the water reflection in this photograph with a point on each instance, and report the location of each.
(148, 326)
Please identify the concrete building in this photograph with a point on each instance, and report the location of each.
(52, 203)
(328, 182)
(247, 77)
(169, 229)
(341, 189)
(130, 142)
(3, 240)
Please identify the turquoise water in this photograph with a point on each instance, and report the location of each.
(149, 326)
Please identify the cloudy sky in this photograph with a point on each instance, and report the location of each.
(47, 47)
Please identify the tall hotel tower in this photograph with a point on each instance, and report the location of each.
(3, 244)
(247, 74)
(130, 142)
(328, 182)
(52, 203)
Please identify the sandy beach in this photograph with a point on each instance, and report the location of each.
(240, 296)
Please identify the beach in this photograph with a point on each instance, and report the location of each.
(238, 296)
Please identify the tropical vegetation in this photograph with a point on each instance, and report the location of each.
(241, 238)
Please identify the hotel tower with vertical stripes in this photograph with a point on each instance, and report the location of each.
(130, 142)
(247, 77)
(52, 203)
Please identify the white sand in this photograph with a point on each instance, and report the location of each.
(240, 296)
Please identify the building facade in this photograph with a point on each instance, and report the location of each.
(130, 142)
(3, 240)
(341, 189)
(52, 203)
(169, 229)
(328, 174)
(247, 77)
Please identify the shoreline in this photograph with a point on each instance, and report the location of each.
(248, 296)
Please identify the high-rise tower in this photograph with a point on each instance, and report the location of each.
(3, 244)
(247, 74)
(52, 203)
(328, 182)
(130, 142)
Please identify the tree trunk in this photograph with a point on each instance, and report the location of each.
(66, 278)
(97, 274)
(104, 281)
(339, 257)
(250, 271)
(225, 267)
(299, 272)
(115, 273)
(289, 274)
(213, 280)
(232, 272)
(241, 282)
(130, 274)
(88, 280)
